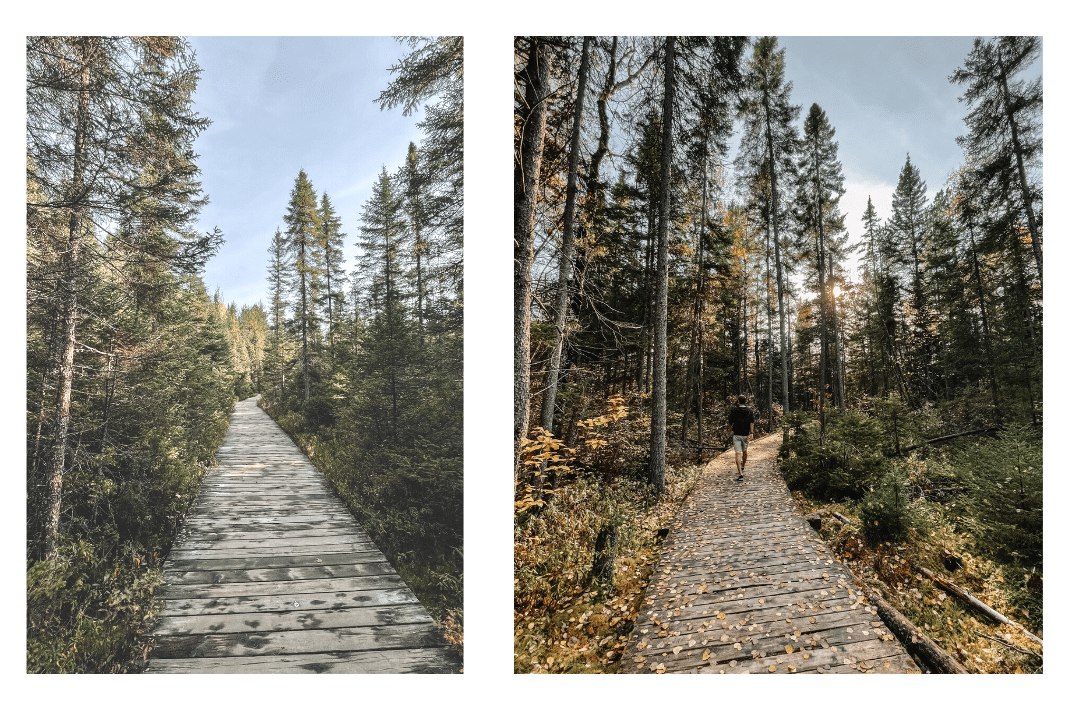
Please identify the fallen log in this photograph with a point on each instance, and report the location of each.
(975, 603)
(842, 517)
(915, 641)
(942, 439)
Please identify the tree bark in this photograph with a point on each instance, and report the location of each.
(658, 437)
(527, 172)
(567, 245)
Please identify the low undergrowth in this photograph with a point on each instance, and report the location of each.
(971, 514)
(89, 609)
(587, 540)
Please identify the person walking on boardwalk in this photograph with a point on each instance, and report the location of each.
(742, 421)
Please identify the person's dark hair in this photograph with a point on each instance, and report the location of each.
(741, 400)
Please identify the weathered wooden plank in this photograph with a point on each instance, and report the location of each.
(393, 661)
(275, 643)
(270, 551)
(246, 589)
(288, 602)
(281, 574)
(294, 620)
(204, 565)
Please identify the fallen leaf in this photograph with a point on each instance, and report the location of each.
(789, 649)
(707, 653)
(676, 650)
(770, 668)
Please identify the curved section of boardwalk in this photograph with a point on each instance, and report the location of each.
(271, 574)
(744, 585)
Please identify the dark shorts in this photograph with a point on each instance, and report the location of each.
(741, 444)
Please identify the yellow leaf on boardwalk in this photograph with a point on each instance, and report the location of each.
(789, 649)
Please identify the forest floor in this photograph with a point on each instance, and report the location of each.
(961, 631)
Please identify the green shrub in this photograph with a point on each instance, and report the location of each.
(1003, 505)
(847, 465)
(885, 512)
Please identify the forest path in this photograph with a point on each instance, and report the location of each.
(744, 585)
(271, 574)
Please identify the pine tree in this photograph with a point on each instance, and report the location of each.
(415, 209)
(303, 249)
(532, 93)
(279, 273)
(332, 250)
(820, 187)
(1004, 142)
(909, 227)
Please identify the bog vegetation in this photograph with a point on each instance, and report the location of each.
(132, 368)
(653, 289)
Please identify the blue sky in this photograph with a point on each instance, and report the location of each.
(279, 105)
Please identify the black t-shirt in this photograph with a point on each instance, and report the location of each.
(740, 419)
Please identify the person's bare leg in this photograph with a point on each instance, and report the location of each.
(739, 460)
(745, 457)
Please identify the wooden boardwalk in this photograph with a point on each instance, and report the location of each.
(271, 574)
(744, 585)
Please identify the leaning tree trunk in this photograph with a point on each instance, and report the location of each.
(658, 437)
(68, 320)
(548, 405)
(536, 75)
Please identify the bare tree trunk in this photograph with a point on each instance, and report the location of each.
(68, 318)
(658, 437)
(567, 245)
(527, 171)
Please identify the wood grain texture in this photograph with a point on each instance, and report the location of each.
(271, 574)
(744, 585)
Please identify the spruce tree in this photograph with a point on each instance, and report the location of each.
(332, 249)
(304, 251)
(1004, 143)
(820, 188)
(909, 227)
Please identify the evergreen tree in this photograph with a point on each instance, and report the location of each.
(1004, 142)
(332, 247)
(303, 249)
(909, 228)
(279, 274)
(820, 188)
(415, 209)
